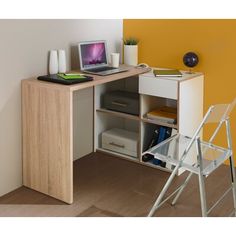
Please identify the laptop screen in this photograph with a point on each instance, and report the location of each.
(93, 54)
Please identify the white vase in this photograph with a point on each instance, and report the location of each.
(61, 61)
(53, 62)
(131, 55)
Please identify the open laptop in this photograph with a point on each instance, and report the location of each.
(93, 58)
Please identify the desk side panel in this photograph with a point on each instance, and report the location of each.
(47, 140)
(190, 105)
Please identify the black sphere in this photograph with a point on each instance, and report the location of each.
(190, 59)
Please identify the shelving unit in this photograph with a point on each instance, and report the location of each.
(185, 94)
(105, 119)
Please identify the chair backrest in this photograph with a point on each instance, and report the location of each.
(219, 113)
(216, 114)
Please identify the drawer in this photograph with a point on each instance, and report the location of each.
(159, 87)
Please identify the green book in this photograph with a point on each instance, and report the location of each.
(167, 73)
(71, 76)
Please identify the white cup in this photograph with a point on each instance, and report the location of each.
(61, 61)
(115, 57)
(53, 62)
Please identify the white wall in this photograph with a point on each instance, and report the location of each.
(24, 46)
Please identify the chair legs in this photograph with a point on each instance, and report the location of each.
(201, 179)
(167, 185)
(182, 188)
(231, 161)
(161, 195)
(232, 171)
(202, 194)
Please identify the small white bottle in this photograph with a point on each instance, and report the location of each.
(61, 61)
(53, 62)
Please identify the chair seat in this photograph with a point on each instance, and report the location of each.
(171, 151)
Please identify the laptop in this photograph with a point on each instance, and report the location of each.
(93, 58)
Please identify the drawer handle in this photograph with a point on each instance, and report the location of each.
(117, 145)
(119, 104)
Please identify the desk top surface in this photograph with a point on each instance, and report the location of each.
(133, 71)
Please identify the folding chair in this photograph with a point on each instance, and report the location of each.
(197, 157)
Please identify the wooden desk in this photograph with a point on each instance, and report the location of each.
(48, 126)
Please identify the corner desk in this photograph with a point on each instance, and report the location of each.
(61, 123)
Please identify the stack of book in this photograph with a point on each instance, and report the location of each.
(164, 114)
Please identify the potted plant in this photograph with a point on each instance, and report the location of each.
(131, 51)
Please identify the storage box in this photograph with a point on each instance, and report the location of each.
(122, 101)
(121, 141)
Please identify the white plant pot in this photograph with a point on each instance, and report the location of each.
(131, 55)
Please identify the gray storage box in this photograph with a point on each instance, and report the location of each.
(120, 141)
(122, 101)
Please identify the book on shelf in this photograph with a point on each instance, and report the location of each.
(163, 114)
(167, 73)
(160, 134)
(147, 157)
(164, 133)
(170, 149)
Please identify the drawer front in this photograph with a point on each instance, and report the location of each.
(115, 147)
(158, 87)
(119, 144)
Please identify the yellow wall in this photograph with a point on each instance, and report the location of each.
(164, 42)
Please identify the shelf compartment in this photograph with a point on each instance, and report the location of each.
(128, 85)
(118, 114)
(105, 121)
(149, 103)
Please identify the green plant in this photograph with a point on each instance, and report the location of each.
(131, 41)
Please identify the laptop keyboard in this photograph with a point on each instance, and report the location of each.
(105, 68)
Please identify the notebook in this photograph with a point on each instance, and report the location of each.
(65, 79)
(94, 59)
(167, 73)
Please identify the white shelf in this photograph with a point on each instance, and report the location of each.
(156, 122)
(135, 159)
(156, 166)
(118, 114)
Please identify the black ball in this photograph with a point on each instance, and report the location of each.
(190, 59)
